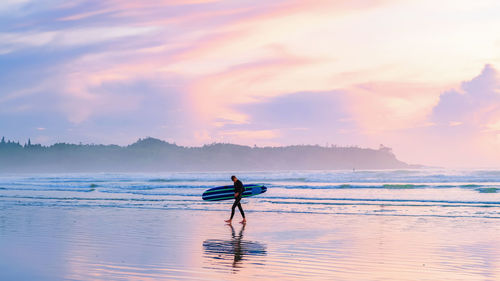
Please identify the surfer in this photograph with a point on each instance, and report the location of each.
(238, 192)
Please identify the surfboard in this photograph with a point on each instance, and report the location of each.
(227, 192)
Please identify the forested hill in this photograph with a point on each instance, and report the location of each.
(156, 155)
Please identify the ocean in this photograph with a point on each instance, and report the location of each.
(425, 192)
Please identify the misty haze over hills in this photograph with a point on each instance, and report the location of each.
(154, 155)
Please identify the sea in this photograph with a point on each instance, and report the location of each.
(418, 192)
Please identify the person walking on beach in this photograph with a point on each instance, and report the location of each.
(238, 192)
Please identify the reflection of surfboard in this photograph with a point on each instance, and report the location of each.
(227, 192)
(218, 247)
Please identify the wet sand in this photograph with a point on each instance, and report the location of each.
(64, 243)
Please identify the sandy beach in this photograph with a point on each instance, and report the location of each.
(63, 243)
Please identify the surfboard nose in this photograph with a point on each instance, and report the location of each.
(256, 190)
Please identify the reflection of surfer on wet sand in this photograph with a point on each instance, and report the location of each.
(234, 249)
(238, 255)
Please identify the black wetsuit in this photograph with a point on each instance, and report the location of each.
(238, 188)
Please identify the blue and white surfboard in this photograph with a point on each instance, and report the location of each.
(227, 192)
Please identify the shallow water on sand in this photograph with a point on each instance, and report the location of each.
(58, 243)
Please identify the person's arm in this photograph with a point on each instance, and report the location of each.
(238, 188)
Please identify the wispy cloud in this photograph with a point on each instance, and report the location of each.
(9, 5)
(69, 38)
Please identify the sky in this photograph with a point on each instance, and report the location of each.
(418, 76)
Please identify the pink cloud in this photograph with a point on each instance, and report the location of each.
(461, 128)
(214, 95)
(476, 102)
(212, 92)
(470, 118)
(388, 106)
(243, 27)
(85, 15)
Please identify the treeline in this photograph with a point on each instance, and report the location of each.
(155, 155)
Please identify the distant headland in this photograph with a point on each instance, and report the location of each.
(154, 155)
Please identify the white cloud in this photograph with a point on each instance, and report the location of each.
(69, 38)
(97, 35)
(476, 103)
(27, 39)
(7, 5)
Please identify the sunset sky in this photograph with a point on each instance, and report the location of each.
(419, 76)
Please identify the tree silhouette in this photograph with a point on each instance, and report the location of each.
(150, 154)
